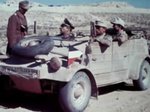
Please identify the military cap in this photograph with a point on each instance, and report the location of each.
(101, 23)
(67, 23)
(118, 21)
(24, 4)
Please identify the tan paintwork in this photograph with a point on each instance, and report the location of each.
(105, 65)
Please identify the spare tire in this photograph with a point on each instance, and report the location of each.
(32, 46)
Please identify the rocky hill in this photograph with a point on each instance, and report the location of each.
(49, 16)
(113, 4)
(103, 4)
(15, 3)
(12, 2)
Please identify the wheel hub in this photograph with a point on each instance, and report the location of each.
(79, 90)
(30, 43)
(33, 43)
(145, 73)
(145, 76)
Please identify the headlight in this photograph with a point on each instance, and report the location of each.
(55, 63)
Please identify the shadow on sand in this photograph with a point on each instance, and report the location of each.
(116, 87)
(47, 103)
(32, 102)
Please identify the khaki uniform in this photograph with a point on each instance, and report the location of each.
(121, 36)
(68, 37)
(104, 39)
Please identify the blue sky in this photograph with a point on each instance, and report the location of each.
(136, 3)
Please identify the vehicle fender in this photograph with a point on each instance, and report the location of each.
(93, 83)
(135, 65)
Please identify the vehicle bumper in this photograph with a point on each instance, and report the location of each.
(38, 86)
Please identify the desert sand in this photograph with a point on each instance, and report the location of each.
(115, 98)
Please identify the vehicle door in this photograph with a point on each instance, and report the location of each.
(101, 61)
(120, 56)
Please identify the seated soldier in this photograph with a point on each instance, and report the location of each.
(119, 27)
(101, 35)
(66, 30)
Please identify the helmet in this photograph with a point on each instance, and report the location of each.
(118, 21)
(101, 23)
(24, 4)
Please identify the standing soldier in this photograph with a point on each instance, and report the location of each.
(119, 26)
(101, 35)
(17, 26)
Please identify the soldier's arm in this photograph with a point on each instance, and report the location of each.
(107, 41)
(123, 37)
(11, 30)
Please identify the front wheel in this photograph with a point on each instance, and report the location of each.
(75, 95)
(143, 82)
(5, 84)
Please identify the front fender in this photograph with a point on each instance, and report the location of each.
(63, 74)
(74, 69)
(135, 65)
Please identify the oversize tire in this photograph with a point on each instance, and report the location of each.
(143, 82)
(74, 96)
(32, 46)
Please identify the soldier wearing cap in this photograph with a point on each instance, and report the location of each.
(101, 35)
(66, 30)
(119, 25)
(17, 26)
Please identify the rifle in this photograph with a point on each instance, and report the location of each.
(88, 49)
(92, 30)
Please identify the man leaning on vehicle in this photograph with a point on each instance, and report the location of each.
(101, 36)
(17, 26)
(119, 27)
(66, 30)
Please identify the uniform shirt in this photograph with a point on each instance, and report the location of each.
(68, 37)
(17, 28)
(104, 39)
(121, 36)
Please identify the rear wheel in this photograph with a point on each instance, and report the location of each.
(143, 82)
(74, 96)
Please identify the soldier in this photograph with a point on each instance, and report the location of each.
(66, 30)
(101, 35)
(119, 26)
(17, 26)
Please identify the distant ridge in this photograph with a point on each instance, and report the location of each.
(113, 4)
(15, 3)
(103, 4)
(12, 2)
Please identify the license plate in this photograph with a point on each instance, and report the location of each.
(24, 72)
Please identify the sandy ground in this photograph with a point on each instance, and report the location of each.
(115, 98)
(125, 99)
